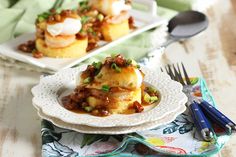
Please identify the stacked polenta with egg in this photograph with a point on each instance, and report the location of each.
(116, 85)
(113, 87)
(116, 23)
(56, 35)
(70, 33)
(124, 88)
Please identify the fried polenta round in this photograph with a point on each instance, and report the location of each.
(75, 50)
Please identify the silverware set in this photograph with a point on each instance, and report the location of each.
(200, 110)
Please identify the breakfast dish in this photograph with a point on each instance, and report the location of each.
(26, 52)
(115, 86)
(48, 95)
(116, 22)
(105, 20)
(143, 21)
(57, 36)
(71, 33)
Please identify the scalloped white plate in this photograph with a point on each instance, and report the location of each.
(47, 92)
(114, 130)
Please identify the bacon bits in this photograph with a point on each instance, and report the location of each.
(138, 107)
(28, 47)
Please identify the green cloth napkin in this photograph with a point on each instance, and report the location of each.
(18, 17)
(178, 5)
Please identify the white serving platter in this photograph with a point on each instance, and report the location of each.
(143, 21)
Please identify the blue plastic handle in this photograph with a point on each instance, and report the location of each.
(201, 121)
(199, 116)
(217, 116)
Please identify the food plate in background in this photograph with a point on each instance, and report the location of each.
(143, 22)
(47, 93)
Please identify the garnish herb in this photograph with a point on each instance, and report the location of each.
(94, 33)
(151, 90)
(43, 16)
(87, 80)
(150, 99)
(97, 65)
(153, 99)
(84, 19)
(128, 61)
(100, 75)
(146, 98)
(90, 30)
(100, 17)
(105, 88)
(88, 108)
(138, 66)
(115, 67)
(83, 5)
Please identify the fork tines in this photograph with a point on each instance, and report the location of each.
(176, 74)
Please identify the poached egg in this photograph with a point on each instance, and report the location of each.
(69, 26)
(110, 7)
(129, 78)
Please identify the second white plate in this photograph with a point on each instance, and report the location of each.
(113, 130)
(143, 22)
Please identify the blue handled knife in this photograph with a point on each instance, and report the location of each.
(201, 122)
(217, 116)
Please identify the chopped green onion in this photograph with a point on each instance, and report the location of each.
(41, 19)
(83, 32)
(105, 88)
(84, 19)
(83, 5)
(43, 16)
(146, 98)
(88, 108)
(150, 99)
(97, 65)
(115, 67)
(100, 17)
(138, 66)
(90, 30)
(128, 61)
(94, 33)
(151, 90)
(87, 80)
(100, 75)
(131, 84)
(153, 99)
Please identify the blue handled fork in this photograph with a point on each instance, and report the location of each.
(196, 106)
(211, 112)
(201, 122)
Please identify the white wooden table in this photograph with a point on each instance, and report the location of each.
(211, 55)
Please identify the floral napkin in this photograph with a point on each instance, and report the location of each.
(178, 138)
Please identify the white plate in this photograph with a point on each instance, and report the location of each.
(47, 92)
(143, 21)
(114, 130)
